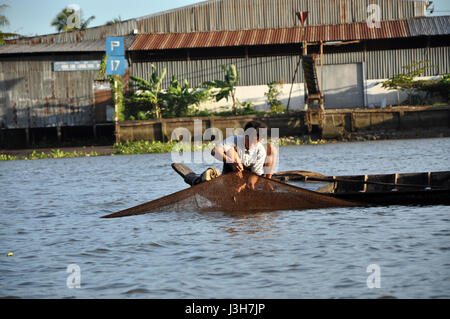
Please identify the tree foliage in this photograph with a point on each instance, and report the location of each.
(273, 97)
(179, 97)
(62, 24)
(4, 22)
(227, 88)
(407, 81)
(114, 21)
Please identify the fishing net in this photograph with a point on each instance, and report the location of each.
(242, 192)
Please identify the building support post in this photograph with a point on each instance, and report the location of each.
(304, 53)
(116, 110)
(27, 136)
(58, 133)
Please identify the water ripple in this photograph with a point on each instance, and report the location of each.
(293, 254)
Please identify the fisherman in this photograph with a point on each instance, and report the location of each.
(239, 153)
(246, 152)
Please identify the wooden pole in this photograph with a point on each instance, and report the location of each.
(305, 90)
(116, 109)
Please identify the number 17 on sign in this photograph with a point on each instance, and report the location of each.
(115, 65)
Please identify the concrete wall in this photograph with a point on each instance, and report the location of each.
(336, 122)
(339, 122)
(256, 95)
(377, 96)
(161, 130)
(345, 89)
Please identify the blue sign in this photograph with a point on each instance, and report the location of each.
(115, 46)
(115, 65)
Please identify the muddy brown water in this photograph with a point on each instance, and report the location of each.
(50, 219)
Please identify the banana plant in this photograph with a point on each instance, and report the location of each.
(151, 90)
(227, 88)
(180, 96)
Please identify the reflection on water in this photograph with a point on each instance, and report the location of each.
(252, 223)
(50, 218)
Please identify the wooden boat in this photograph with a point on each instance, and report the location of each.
(236, 192)
(426, 188)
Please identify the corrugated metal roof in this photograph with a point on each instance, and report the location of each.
(234, 15)
(439, 25)
(123, 28)
(342, 32)
(83, 46)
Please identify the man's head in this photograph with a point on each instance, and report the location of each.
(252, 132)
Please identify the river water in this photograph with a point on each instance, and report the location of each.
(50, 219)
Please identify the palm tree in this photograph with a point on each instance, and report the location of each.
(3, 23)
(115, 20)
(61, 22)
(3, 19)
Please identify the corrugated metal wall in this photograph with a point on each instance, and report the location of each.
(31, 95)
(221, 15)
(260, 14)
(262, 70)
(253, 71)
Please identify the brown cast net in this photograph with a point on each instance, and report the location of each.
(242, 192)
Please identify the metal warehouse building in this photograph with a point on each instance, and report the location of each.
(48, 83)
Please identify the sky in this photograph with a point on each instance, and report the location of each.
(33, 17)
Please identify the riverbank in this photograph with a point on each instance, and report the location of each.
(148, 147)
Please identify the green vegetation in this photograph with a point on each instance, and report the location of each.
(65, 21)
(6, 157)
(244, 109)
(407, 82)
(3, 23)
(143, 147)
(272, 97)
(286, 141)
(227, 88)
(179, 97)
(147, 147)
(112, 79)
(58, 154)
(147, 99)
(114, 21)
(53, 154)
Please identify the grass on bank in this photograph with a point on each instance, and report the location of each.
(53, 154)
(143, 147)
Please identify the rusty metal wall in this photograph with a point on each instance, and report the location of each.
(343, 32)
(32, 95)
(229, 15)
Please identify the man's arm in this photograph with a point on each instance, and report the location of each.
(271, 160)
(230, 156)
(258, 166)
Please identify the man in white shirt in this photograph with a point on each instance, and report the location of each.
(245, 152)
